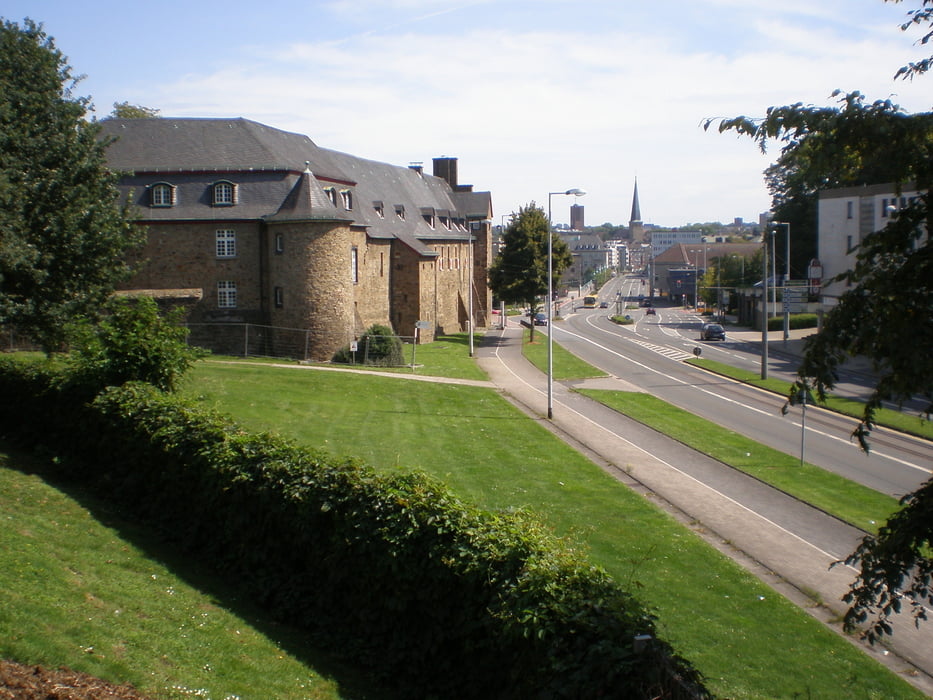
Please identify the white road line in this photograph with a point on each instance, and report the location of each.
(828, 555)
(877, 453)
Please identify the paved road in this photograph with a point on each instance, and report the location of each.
(786, 543)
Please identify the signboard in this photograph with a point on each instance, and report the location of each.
(422, 325)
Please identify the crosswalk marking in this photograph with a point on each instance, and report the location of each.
(673, 353)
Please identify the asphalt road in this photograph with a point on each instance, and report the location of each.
(788, 544)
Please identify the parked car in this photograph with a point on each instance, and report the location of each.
(540, 319)
(650, 311)
(713, 331)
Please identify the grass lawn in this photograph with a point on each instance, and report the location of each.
(82, 587)
(713, 611)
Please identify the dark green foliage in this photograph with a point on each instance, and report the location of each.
(438, 597)
(378, 346)
(131, 342)
(519, 274)
(62, 233)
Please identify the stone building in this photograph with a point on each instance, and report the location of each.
(265, 229)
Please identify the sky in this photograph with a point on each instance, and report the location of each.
(533, 97)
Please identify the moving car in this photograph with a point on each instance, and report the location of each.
(713, 331)
(604, 304)
(650, 311)
(540, 319)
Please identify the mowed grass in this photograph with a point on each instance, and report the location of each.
(83, 587)
(746, 639)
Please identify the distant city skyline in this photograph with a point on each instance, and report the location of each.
(532, 96)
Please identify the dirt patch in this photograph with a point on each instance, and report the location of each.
(21, 682)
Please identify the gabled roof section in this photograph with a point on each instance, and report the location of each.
(307, 201)
(216, 145)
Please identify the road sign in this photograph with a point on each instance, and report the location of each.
(422, 325)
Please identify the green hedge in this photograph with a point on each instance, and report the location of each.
(794, 322)
(438, 597)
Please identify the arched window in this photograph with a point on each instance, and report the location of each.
(162, 194)
(224, 194)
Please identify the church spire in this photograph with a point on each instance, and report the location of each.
(635, 218)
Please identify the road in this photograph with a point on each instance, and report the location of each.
(788, 544)
(649, 354)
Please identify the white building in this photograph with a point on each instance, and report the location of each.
(845, 216)
(662, 240)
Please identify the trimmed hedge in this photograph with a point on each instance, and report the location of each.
(437, 596)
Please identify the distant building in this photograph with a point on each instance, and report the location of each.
(576, 217)
(635, 224)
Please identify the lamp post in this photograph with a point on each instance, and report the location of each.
(550, 297)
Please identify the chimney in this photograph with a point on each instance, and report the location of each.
(446, 169)
(417, 166)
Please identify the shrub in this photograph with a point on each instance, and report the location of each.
(440, 598)
(130, 342)
(378, 346)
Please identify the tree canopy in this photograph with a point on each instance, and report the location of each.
(519, 273)
(62, 232)
(125, 110)
(886, 314)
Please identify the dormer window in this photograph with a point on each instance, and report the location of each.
(224, 194)
(162, 195)
(400, 211)
(346, 196)
(428, 215)
(331, 195)
(380, 211)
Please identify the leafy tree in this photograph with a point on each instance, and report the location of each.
(519, 274)
(886, 314)
(131, 342)
(62, 233)
(124, 110)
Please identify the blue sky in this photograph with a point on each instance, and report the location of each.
(532, 96)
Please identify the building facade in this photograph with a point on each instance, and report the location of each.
(845, 216)
(262, 226)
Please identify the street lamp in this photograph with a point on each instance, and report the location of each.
(550, 297)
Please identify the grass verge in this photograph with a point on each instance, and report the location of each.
(566, 365)
(853, 503)
(896, 420)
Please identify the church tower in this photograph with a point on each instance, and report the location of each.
(635, 224)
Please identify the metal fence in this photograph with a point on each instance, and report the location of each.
(250, 340)
(255, 340)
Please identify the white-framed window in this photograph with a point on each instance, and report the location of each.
(226, 243)
(346, 196)
(400, 211)
(355, 264)
(331, 195)
(224, 194)
(380, 210)
(226, 294)
(162, 195)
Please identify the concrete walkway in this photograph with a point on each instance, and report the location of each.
(738, 515)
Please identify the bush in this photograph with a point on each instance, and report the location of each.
(378, 346)
(130, 342)
(794, 322)
(438, 597)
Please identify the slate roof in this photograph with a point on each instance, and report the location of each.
(281, 176)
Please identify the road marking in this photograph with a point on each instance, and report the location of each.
(828, 555)
(877, 453)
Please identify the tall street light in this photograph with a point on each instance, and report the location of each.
(550, 297)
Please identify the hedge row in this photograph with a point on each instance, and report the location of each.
(438, 597)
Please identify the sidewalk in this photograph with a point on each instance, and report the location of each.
(738, 515)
